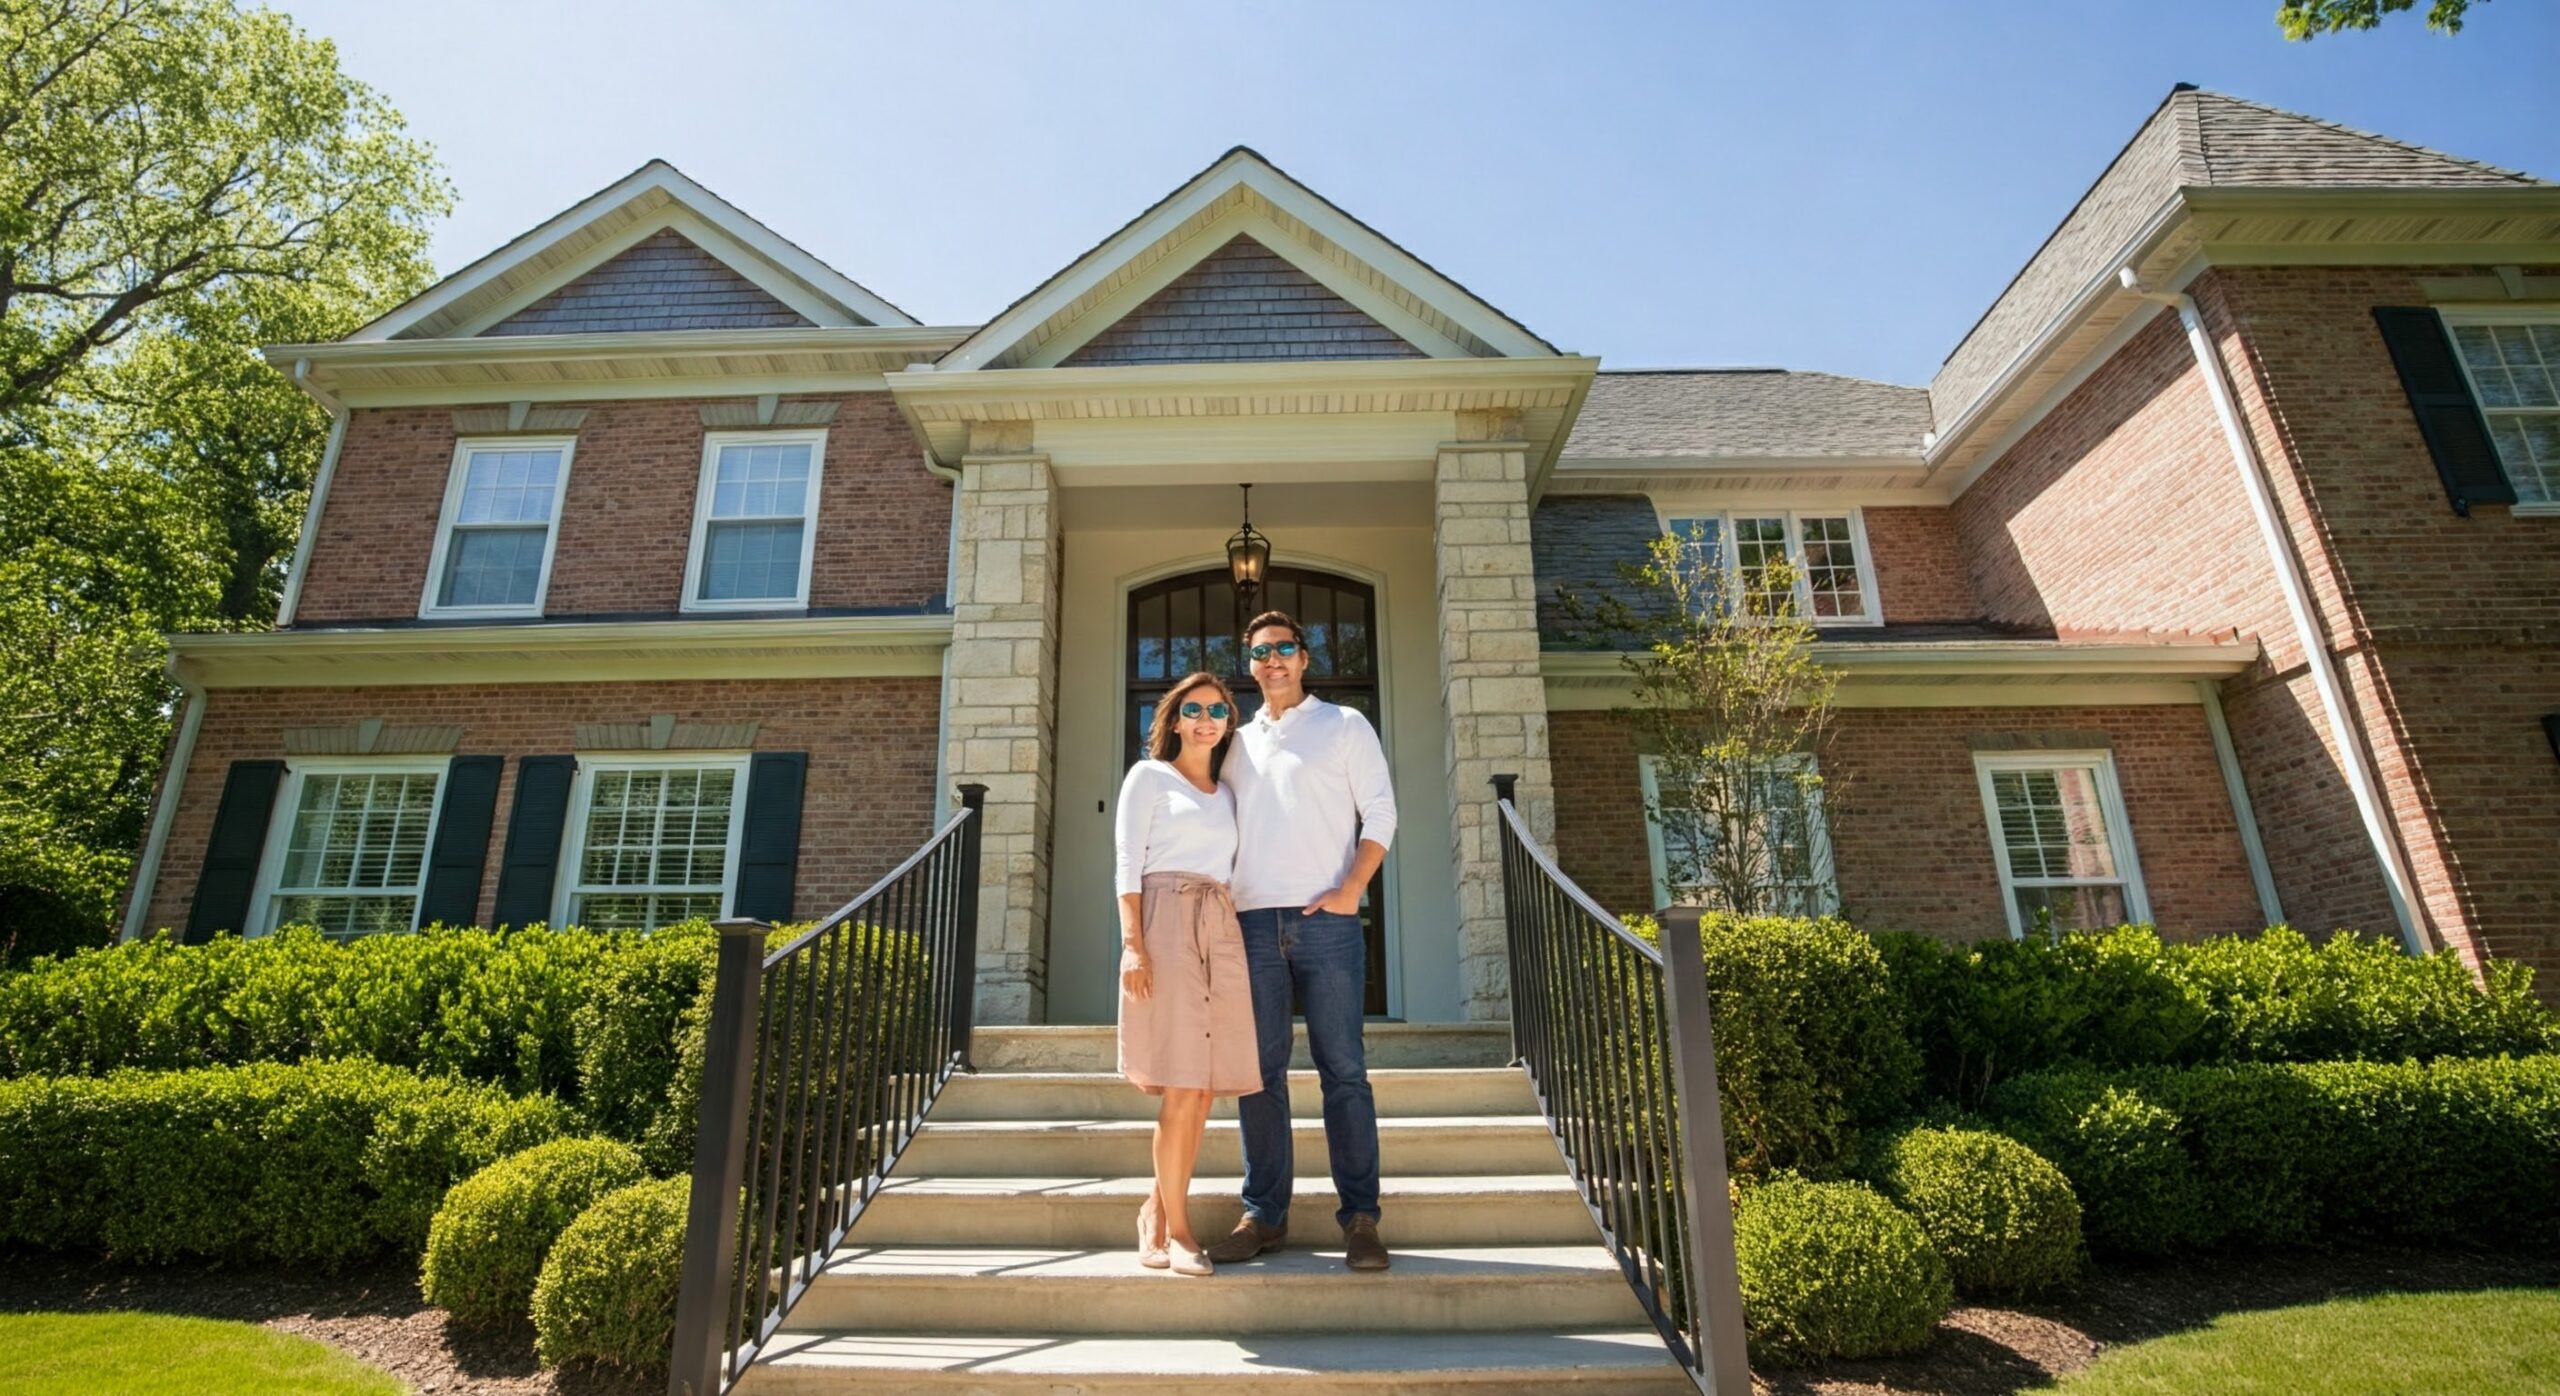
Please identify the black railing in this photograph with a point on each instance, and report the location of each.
(821, 1059)
(1615, 1036)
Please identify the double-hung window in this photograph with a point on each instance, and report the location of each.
(754, 521)
(2059, 836)
(1827, 550)
(652, 841)
(349, 854)
(2514, 367)
(500, 527)
(1789, 853)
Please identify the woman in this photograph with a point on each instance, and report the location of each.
(1186, 1008)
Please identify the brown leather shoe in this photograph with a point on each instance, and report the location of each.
(1250, 1238)
(1362, 1250)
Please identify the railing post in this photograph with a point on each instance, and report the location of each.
(964, 946)
(1715, 1290)
(704, 1301)
(1506, 791)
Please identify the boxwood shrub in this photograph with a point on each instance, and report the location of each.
(607, 1293)
(490, 1236)
(2002, 1216)
(1833, 1270)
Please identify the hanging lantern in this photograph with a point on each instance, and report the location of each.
(1248, 554)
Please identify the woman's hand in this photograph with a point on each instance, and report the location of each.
(1137, 976)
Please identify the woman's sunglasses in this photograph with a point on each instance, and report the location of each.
(1218, 711)
(1284, 649)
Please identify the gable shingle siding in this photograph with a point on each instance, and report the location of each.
(1241, 303)
(665, 282)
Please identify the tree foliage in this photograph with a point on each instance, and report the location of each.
(2309, 19)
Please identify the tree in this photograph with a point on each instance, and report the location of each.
(2309, 19)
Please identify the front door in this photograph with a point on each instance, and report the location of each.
(1192, 622)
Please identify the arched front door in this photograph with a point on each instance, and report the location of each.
(1191, 622)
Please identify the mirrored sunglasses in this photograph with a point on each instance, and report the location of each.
(1218, 711)
(1284, 649)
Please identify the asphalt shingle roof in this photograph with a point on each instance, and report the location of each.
(1749, 412)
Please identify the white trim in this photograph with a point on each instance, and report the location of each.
(573, 839)
(463, 449)
(2099, 356)
(302, 546)
(732, 255)
(2493, 317)
(713, 443)
(1817, 828)
(288, 805)
(722, 648)
(1868, 600)
(164, 813)
(2137, 905)
(2243, 813)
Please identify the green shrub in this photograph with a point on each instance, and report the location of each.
(1833, 1270)
(319, 1164)
(486, 1246)
(608, 1292)
(630, 1035)
(2003, 1217)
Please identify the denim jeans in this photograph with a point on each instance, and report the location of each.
(1325, 958)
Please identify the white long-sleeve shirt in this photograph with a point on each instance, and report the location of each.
(1309, 787)
(1167, 824)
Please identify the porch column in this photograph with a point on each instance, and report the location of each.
(1002, 703)
(1489, 682)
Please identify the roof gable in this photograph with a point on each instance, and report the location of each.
(663, 282)
(1242, 303)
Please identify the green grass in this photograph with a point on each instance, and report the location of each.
(2491, 1340)
(157, 1355)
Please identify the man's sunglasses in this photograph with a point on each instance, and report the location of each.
(1217, 711)
(1284, 649)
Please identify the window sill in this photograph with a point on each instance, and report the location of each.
(2549, 510)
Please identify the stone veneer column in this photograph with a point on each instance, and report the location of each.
(1002, 703)
(1489, 681)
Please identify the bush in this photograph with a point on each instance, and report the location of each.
(631, 1034)
(489, 1238)
(608, 1292)
(2002, 1216)
(1833, 1270)
(2277, 1154)
(320, 1164)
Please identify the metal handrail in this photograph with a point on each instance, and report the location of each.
(1615, 1036)
(820, 1062)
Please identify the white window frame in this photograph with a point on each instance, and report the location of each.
(297, 770)
(573, 838)
(694, 556)
(2542, 314)
(2120, 841)
(1649, 781)
(1868, 599)
(463, 450)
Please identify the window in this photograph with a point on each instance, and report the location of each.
(350, 857)
(501, 515)
(752, 539)
(2514, 368)
(2059, 835)
(1827, 550)
(1794, 845)
(652, 842)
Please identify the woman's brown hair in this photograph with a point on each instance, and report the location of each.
(1164, 743)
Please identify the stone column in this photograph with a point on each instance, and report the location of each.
(1489, 682)
(1002, 702)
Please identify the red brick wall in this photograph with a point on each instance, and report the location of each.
(627, 517)
(1919, 559)
(1911, 846)
(867, 804)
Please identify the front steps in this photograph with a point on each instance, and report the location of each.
(999, 1257)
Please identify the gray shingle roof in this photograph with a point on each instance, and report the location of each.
(1747, 412)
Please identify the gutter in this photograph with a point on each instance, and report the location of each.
(146, 871)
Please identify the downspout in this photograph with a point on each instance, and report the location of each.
(319, 491)
(173, 784)
(942, 704)
(2297, 600)
(2209, 691)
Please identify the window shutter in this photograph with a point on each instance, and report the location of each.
(461, 848)
(532, 861)
(2457, 435)
(231, 855)
(769, 848)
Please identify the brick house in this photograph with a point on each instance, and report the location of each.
(657, 569)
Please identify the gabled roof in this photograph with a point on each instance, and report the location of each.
(1242, 193)
(634, 209)
(1737, 413)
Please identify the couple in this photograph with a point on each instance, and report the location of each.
(1294, 807)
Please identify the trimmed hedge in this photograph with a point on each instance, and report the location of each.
(323, 1164)
(1833, 1270)
(490, 1236)
(608, 1292)
(2283, 1154)
(2003, 1216)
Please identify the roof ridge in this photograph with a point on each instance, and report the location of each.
(2358, 132)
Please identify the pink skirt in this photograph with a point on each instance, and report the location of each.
(1195, 1032)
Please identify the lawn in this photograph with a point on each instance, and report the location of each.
(156, 1355)
(2501, 1340)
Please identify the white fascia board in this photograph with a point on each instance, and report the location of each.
(2030, 658)
(817, 307)
(564, 652)
(1013, 386)
(615, 344)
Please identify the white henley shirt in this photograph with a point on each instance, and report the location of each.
(1309, 787)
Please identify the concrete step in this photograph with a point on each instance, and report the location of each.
(1628, 1361)
(946, 1289)
(1105, 1095)
(1451, 1144)
(1096, 1047)
(1100, 1213)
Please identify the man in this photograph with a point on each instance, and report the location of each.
(1314, 815)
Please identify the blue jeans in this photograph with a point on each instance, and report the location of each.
(1326, 959)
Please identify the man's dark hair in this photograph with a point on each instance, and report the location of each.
(1270, 619)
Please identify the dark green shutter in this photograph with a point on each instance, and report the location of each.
(461, 848)
(2457, 435)
(231, 856)
(769, 848)
(532, 861)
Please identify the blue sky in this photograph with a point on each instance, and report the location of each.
(1842, 186)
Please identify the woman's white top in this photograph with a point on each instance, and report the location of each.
(1167, 824)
